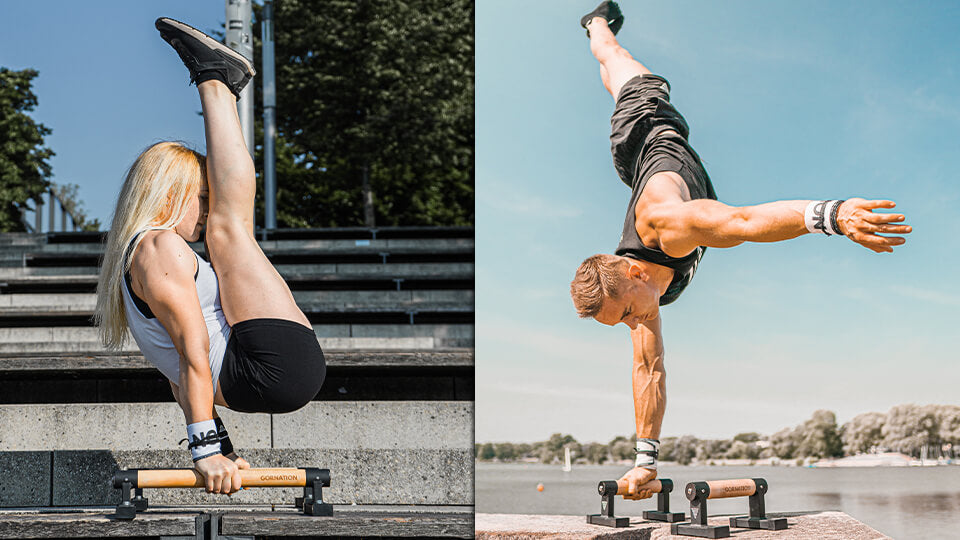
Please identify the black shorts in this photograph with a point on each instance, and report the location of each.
(271, 366)
(642, 115)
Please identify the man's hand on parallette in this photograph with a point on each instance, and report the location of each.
(857, 220)
(221, 474)
(635, 478)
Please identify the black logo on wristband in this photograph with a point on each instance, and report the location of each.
(207, 438)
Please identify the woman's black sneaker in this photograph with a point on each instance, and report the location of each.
(608, 11)
(205, 57)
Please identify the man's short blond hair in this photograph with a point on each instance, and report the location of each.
(598, 277)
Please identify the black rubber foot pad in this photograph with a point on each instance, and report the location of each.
(770, 524)
(597, 519)
(703, 531)
(669, 517)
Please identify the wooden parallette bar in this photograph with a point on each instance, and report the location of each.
(699, 492)
(609, 489)
(190, 478)
(724, 489)
(312, 480)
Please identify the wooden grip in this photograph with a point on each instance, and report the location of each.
(722, 489)
(654, 485)
(190, 478)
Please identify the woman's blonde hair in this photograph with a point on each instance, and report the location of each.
(155, 194)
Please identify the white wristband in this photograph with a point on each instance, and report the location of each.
(203, 440)
(821, 217)
(648, 450)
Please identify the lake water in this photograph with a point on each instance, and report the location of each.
(906, 503)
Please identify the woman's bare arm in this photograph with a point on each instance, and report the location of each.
(165, 265)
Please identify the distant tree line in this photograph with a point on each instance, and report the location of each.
(905, 428)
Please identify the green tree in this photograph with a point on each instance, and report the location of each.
(685, 449)
(487, 452)
(819, 436)
(596, 453)
(24, 166)
(505, 451)
(910, 427)
(783, 444)
(863, 433)
(382, 86)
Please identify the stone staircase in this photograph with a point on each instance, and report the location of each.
(392, 309)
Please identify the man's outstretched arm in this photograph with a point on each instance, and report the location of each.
(682, 226)
(649, 394)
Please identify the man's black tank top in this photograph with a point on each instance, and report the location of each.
(644, 109)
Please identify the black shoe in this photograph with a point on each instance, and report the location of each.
(205, 57)
(607, 10)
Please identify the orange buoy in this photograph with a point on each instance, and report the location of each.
(539, 487)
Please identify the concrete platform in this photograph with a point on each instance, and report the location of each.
(249, 521)
(801, 526)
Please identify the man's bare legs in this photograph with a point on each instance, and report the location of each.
(250, 287)
(616, 65)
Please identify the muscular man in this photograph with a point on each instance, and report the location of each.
(673, 216)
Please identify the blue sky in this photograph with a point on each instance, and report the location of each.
(786, 100)
(106, 95)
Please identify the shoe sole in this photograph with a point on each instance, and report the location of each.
(210, 42)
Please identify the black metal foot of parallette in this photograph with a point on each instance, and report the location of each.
(669, 517)
(608, 521)
(312, 501)
(703, 531)
(139, 501)
(125, 511)
(770, 524)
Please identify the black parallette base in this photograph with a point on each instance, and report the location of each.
(669, 517)
(598, 519)
(770, 524)
(703, 531)
(125, 511)
(318, 509)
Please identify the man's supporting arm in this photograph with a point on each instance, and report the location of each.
(649, 394)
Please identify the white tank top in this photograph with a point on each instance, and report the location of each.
(154, 340)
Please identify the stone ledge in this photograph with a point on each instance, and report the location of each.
(427, 521)
(802, 526)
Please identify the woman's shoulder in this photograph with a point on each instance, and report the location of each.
(162, 252)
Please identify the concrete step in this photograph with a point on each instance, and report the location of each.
(358, 476)
(269, 247)
(339, 343)
(397, 425)
(67, 339)
(247, 521)
(300, 272)
(336, 301)
(39, 363)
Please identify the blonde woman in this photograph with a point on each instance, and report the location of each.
(227, 332)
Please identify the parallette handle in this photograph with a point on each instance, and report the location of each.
(191, 478)
(722, 489)
(622, 486)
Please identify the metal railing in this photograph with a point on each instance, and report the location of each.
(51, 209)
